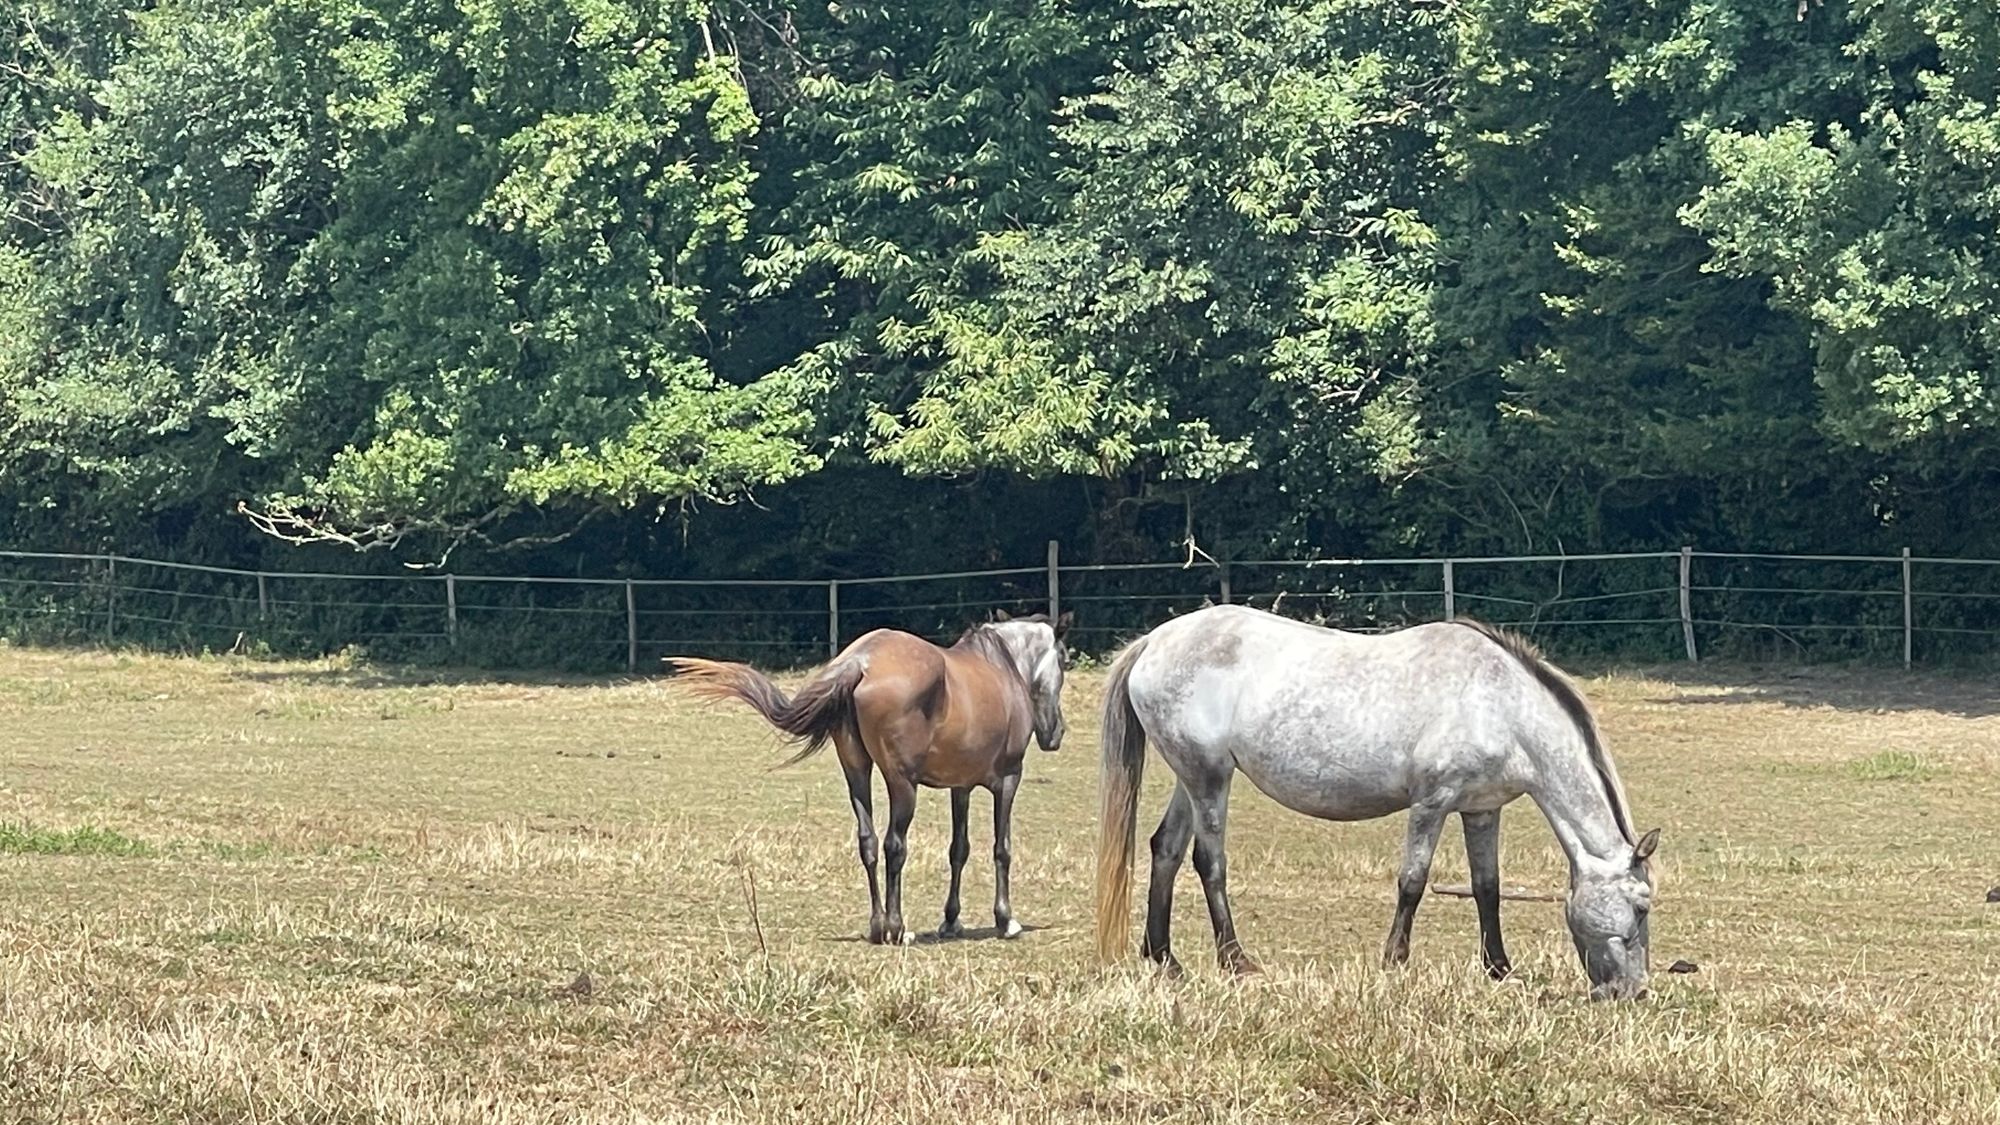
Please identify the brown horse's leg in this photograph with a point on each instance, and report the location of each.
(1482, 855)
(1170, 844)
(854, 763)
(1003, 853)
(1211, 818)
(961, 849)
(895, 849)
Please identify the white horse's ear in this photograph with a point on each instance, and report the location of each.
(1002, 615)
(1647, 844)
(1063, 622)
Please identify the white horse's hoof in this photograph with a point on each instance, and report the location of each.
(909, 938)
(1013, 928)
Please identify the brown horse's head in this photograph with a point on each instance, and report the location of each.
(1035, 646)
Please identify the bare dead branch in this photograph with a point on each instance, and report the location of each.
(1516, 894)
(303, 529)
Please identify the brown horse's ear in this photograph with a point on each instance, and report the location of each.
(1063, 622)
(1002, 615)
(1647, 844)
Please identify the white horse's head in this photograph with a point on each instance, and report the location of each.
(1609, 901)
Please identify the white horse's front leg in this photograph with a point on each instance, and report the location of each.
(1482, 856)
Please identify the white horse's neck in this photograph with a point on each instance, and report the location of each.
(1573, 797)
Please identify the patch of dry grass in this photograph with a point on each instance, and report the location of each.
(339, 894)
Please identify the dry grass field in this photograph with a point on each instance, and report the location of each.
(257, 892)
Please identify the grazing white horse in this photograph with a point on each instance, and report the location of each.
(1440, 718)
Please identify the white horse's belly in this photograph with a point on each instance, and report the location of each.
(1336, 786)
(1354, 777)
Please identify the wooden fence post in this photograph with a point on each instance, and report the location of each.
(1687, 603)
(1909, 614)
(1224, 579)
(631, 628)
(110, 599)
(1450, 594)
(263, 598)
(1055, 579)
(833, 617)
(451, 608)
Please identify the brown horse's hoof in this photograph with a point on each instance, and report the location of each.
(1245, 967)
(950, 931)
(1499, 971)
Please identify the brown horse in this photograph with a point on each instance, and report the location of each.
(947, 718)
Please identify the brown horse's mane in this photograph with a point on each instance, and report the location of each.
(984, 639)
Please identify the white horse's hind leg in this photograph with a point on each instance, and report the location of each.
(1482, 855)
(1210, 802)
(1170, 844)
(1419, 843)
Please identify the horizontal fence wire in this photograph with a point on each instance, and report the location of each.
(1628, 605)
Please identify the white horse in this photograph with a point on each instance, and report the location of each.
(1440, 718)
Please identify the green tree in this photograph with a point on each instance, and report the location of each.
(1235, 280)
(1877, 228)
(383, 268)
(908, 135)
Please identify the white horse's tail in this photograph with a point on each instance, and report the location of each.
(1124, 745)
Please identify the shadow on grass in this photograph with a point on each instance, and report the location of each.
(931, 937)
(371, 677)
(1842, 688)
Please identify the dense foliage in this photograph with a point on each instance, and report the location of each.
(855, 286)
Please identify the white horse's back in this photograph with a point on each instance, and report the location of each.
(1344, 726)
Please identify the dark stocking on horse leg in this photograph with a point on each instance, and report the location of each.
(1482, 855)
(961, 848)
(1419, 842)
(1003, 854)
(1211, 817)
(895, 849)
(1170, 844)
(860, 795)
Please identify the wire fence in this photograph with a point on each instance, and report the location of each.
(1684, 604)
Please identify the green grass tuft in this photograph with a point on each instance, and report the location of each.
(1892, 765)
(18, 839)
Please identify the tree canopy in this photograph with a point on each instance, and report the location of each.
(1318, 274)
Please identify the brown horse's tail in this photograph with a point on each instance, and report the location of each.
(822, 707)
(1124, 745)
